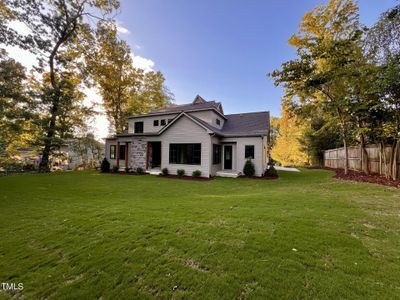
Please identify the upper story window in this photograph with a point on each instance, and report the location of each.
(163, 122)
(155, 123)
(138, 127)
(113, 151)
(218, 121)
(249, 151)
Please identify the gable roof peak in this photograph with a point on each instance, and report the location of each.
(198, 100)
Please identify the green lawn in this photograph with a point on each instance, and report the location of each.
(85, 235)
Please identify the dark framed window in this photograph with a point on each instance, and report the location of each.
(113, 151)
(216, 154)
(122, 152)
(138, 127)
(155, 123)
(163, 122)
(249, 151)
(188, 154)
(218, 121)
(169, 120)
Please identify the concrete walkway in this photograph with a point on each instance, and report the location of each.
(279, 168)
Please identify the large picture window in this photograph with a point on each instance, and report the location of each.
(138, 127)
(249, 151)
(188, 154)
(216, 154)
(113, 151)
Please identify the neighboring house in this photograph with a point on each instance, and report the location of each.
(74, 153)
(78, 153)
(195, 136)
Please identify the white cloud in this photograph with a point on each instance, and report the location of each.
(142, 62)
(122, 30)
(26, 58)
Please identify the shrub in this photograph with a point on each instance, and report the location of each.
(271, 172)
(140, 170)
(105, 166)
(248, 168)
(180, 172)
(127, 169)
(29, 168)
(115, 169)
(165, 171)
(13, 166)
(196, 173)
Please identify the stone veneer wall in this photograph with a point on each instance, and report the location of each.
(138, 153)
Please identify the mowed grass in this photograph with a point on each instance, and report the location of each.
(84, 235)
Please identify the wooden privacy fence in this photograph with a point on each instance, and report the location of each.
(335, 158)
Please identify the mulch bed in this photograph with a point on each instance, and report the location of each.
(262, 177)
(361, 177)
(129, 173)
(186, 177)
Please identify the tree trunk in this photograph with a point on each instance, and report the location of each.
(395, 151)
(383, 149)
(44, 165)
(344, 135)
(346, 157)
(364, 156)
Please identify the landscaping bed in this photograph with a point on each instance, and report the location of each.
(259, 177)
(361, 177)
(186, 177)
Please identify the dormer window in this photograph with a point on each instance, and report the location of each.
(155, 123)
(218, 121)
(163, 122)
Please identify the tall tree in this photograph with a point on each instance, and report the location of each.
(125, 90)
(383, 45)
(287, 149)
(327, 43)
(57, 27)
(16, 106)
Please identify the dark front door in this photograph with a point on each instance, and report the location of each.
(156, 154)
(228, 157)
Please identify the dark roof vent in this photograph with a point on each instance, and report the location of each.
(198, 100)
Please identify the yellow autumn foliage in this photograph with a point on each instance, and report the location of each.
(287, 150)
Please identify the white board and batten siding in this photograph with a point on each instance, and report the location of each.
(186, 131)
(239, 156)
(210, 117)
(217, 167)
(148, 123)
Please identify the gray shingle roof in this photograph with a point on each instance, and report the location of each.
(186, 107)
(198, 104)
(245, 124)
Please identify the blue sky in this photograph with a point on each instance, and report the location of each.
(221, 49)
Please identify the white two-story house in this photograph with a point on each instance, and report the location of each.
(195, 136)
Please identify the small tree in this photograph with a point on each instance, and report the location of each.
(248, 168)
(105, 166)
